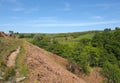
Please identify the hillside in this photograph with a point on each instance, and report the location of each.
(45, 67)
(88, 57)
(86, 51)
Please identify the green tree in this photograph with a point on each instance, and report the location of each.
(112, 72)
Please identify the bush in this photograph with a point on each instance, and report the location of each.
(112, 72)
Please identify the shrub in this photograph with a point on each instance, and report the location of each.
(112, 72)
(9, 72)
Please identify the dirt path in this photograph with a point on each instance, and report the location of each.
(45, 67)
(12, 57)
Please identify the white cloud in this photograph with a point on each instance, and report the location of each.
(105, 5)
(12, 0)
(67, 6)
(19, 9)
(75, 24)
(30, 10)
(15, 17)
(97, 17)
(5, 25)
(43, 20)
(65, 24)
(8, 0)
(25, 10)
(101, 5)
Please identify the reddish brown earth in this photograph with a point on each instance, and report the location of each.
(45, 67)
(94, 76)
(2, 34)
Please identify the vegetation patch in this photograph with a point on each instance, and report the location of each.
(85, 50)
(20, 60)
(7, 46)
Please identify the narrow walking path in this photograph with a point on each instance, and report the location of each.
(12, 57)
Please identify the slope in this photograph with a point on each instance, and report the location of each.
(45, 67)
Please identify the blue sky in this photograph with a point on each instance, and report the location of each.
(52, 16)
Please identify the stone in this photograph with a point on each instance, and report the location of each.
(20, 79)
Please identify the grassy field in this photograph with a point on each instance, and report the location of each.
(7, 46)
(85, 36)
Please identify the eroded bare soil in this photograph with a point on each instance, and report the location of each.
(45, 67)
